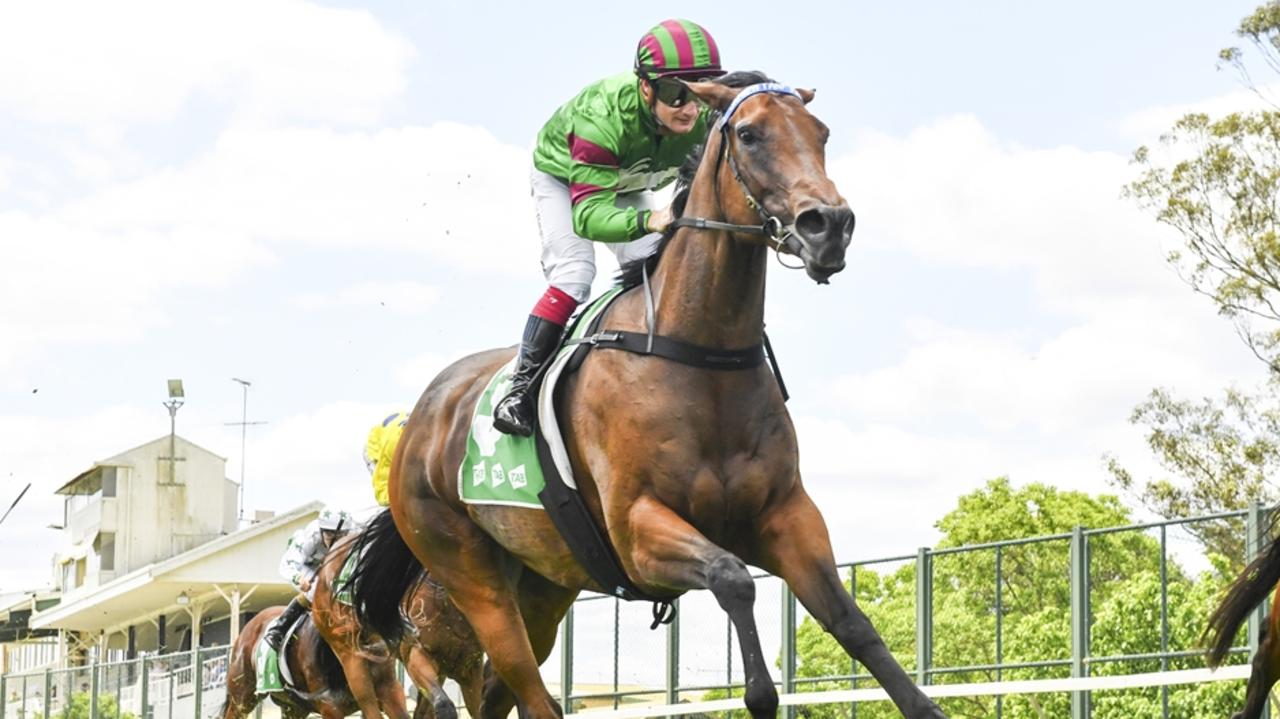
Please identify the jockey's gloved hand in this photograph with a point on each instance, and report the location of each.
(658, 220)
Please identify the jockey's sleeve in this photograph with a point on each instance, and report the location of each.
(593, 183)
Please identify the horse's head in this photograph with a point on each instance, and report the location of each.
(773, 167)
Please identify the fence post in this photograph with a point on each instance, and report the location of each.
(93, 682)
(1254, 539)
(788, 649)
(924, 615)
(144, 705)
(673, 657)
(48, 698)
(197, 673)
(566, 661)
(1254, 529)
(1079, 619)
(4, 697)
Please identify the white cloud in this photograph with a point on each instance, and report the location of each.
(448, 191)
(316, 454)
(403, 297)
(953, 193)
(65, 282)
(418, 372)
(140, 61)
(1149, 124)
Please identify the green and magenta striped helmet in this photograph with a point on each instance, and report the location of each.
(677, 48)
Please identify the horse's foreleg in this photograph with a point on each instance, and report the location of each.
(794, 545)
(432, 701)
(390, 693)
(360, 681)
(668, 552)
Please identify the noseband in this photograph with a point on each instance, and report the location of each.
(776, 234)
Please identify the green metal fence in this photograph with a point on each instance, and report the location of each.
(607, 656)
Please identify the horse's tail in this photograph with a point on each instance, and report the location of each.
(385, 572)
(1246, 592)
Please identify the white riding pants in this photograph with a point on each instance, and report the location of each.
(569, 261)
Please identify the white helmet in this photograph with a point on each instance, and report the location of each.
(332, 520)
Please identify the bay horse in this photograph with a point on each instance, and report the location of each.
(321, 686)
(441, 645)
(1249, 590)
(693, 472)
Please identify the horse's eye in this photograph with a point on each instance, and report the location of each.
(746, 135)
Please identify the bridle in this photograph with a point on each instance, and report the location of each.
(778, 235)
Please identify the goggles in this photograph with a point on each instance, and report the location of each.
(672, 93)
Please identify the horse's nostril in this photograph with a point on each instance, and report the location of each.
(812, 223)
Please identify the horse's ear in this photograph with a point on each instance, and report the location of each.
(714, 94)
(806, 95)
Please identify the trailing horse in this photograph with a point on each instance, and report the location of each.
(439, 644)
(1248, 591)
(692, 471)
(320, 685)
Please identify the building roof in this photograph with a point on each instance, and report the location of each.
(90, 480)
(15, 613)
(245, 558)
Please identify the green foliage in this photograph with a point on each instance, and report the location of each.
(1033, 598)
(1220, 198)
(1215, 181)
(1222, 454)
(78, 708)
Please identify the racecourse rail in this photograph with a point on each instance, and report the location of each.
(608, 664)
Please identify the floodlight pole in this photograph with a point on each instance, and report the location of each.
(173, 404)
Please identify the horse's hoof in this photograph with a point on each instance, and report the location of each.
(445, 708)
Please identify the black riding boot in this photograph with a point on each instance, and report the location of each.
(275, 633)
(514, 414)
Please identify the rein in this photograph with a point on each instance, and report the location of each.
(776, 234)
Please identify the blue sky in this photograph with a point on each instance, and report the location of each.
(331, 201)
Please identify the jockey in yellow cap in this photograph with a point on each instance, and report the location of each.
(379, 449)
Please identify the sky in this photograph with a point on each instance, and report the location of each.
(331, 201)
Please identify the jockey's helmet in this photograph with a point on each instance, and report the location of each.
(331, 520)
(677, 48)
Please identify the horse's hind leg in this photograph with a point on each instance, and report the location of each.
(480, 577)
(1266, 669)
(794, 545)
(668, 552)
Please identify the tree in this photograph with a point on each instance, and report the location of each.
(1225, 453)
(1215, 182)
(1034, 602)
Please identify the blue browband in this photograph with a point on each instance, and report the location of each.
(748, 91)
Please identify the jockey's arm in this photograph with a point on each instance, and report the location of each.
(593, 182)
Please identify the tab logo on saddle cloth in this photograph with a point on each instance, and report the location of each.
(499, 468)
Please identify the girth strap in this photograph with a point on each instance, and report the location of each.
(677, 351)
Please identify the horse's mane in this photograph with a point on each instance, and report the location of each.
(632, 273)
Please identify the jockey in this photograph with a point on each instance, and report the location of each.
(302, 558)
(379, 449)
(595, 165)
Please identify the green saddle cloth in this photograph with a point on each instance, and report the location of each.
(502, 468)
(266, 667)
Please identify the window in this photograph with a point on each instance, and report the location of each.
(106, 551)
(108, 481)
